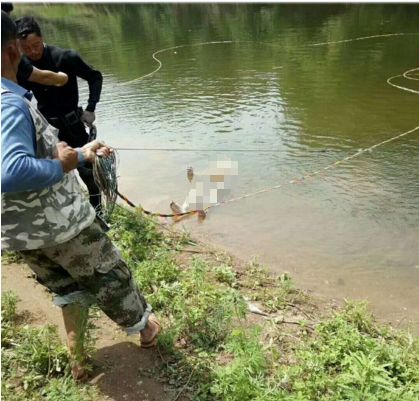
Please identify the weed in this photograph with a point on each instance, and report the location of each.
(256, 276)
(352, 358)
(10, 257)
(156, 271)
(348, 357)
(281, 294)
(135, 234)
(186, 239)
(66, 389)
(203, 311)
(33, 360)
(85, 339)
(225, 274)
(243, 378)
(8, 306)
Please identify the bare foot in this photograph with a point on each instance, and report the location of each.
(78, 372)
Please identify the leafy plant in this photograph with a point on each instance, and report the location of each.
(34, 362)
(10, 257)
(225, 274)
(8, 306)
(244, 377)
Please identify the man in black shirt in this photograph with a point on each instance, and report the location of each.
(7, 8)
(59, 105)
(43, 77)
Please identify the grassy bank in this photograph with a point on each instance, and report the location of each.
(34, 363)
(289, 347)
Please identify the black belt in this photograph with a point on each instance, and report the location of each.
(71, 118)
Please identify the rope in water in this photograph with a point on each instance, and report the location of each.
(385, 35)
(313, 173)
(105, 168)
(160, 64)
(201, 150)
(404, 75)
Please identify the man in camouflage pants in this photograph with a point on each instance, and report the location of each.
(48, 219)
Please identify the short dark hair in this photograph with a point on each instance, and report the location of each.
(26, 26)
(8, 30)
(7, 7)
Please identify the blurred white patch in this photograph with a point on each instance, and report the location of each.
(210, 187)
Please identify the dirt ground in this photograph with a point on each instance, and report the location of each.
(122, 370)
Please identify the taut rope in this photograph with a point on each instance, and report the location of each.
(104, 170)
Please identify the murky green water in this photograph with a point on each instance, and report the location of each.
(352, 232)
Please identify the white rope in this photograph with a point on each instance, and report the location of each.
(172, 48)
(404, 75)
(336, 163)
(313, 173)
(364, 38)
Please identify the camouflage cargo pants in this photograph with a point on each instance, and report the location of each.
(89, 269)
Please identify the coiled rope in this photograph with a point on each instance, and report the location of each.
(104, 169)
(104, 173)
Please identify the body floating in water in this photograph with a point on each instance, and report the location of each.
(208, 189)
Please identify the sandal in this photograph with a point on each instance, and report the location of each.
(153, 341)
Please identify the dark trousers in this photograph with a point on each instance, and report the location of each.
(73, 132)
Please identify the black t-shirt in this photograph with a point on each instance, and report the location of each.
(24, 70)
(54, 101)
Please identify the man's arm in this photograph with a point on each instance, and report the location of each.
(93, 77)
(20, 169)
(28, 73)
(47, 77)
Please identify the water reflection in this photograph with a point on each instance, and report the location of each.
(269, 89)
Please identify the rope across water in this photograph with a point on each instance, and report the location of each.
(313, 173)
(105, 169)
(160, 64)
(387, 35)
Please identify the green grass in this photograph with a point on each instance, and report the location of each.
(10, 257)
(34, 363)
(345, 357)
(210, 348)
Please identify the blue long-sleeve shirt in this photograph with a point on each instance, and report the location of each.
(20, 169)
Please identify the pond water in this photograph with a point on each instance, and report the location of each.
(284, 83)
